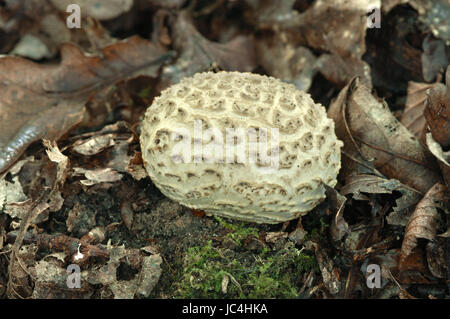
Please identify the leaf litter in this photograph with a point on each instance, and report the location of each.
(73, 189)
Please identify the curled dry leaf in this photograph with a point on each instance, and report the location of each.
(104, 175)
(55, 155)
(330, 274)
(443, 158)
(336, 203)
(423, 223)
(94, 145)
(437, 112)
(19, 273)
(437, 255)
(13, 200)
(377, 185)
(199, 54)
(413, 117)
(55, 199)
(371, 133)
(45, 101)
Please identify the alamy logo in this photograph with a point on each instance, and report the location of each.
(74, 19)
(74, 277)
(239, 145)
(373, 279)
(374, 17)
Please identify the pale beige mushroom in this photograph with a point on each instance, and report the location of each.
(187, 126)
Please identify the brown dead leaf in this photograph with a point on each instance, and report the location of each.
(413, 117)
(336, 203)
(371, 133)
(437, 257)
(333, 26)
(198, 54)
(330, 274)
(45, 101)
(424, 223)
(443, 159)
(437, 112)
(20, 285)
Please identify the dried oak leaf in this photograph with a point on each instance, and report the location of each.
(424, 223)
(437, 112)
(198, 54)
(45, 101)
(372, 134)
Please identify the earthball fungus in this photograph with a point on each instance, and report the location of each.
(240, 145)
